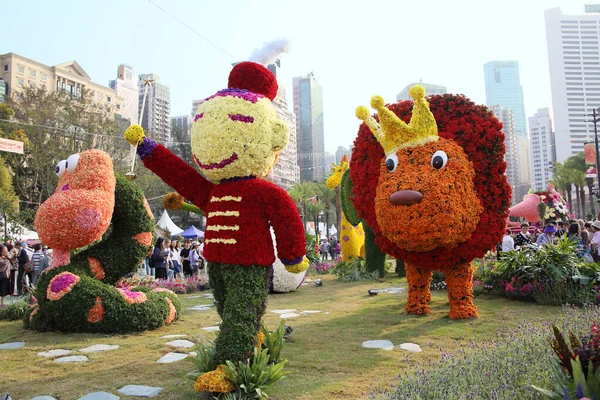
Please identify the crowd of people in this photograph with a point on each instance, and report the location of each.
(329, 248)
(586, 236)
(169, 260)
(21, 267)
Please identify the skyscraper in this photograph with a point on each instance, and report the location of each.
(340, 152)
(503, 86)
(308, 107)
(542, 147)
(429, 90)
(156, 118)
(574, 61)
(183, 122)
(506, 116)
(126, 87)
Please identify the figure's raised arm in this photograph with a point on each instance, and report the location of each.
(171, 169)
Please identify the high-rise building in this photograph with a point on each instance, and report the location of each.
(340, 152)
(19, 72)
(308, 108)
(574, 61)
(542, 147)
(503, 86)
(506, 116)
(195, 104)
(183, 122)
(126, 87)
(429, 90)
(156, 117)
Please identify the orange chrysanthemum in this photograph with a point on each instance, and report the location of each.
(96, 313)
(419, 280)
(460, 292)
(96, 268)
(260, 339)
(173, 201)
(147, 208)
(215, 381)
(172, 311)
(144, 238)
(33, 313)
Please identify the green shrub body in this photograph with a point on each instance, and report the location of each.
(119, 254)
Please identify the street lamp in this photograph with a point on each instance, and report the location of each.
(595, 120)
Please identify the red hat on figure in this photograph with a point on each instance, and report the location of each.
(254, 78)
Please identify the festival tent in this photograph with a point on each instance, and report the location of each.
(166, 224)
(31, 237)
(192, 233)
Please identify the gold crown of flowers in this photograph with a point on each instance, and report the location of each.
(393, 133)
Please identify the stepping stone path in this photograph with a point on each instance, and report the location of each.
(310, 312)
(202, 307)
(193, 297)
(209, 296)
(11, 346)
(193, 354)
(413, 348)
(287, 311)
(186, 344)
(99, 347)
(172, 336)
(378, 344)
(140, 391)
(99, 396)
(44, 398)
(71, 359)
(211, 329)
(171, 357)
(55, 353)
(393, 290)
(288, 315)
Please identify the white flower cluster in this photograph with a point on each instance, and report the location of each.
(284, 281)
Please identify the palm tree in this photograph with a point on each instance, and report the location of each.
(327, 198)
(302, 193)
(561, 175)
(314, 209)
(578, 163)
(579, 182)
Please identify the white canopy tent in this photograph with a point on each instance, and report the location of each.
(26, 234)
(165, 223)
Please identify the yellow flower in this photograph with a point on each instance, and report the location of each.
(135, 134)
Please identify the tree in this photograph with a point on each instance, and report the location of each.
(12, 220)
(181, 144)
(327, 198)
(577, 162)
(563, 177)
(314, 209)
(302, 193)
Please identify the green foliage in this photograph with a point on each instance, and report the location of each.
(438, 281)
(347, 206)
(274, 342)
(14, 311)
(375, 257)
(354, 270)
(205, 361)
(254, 377)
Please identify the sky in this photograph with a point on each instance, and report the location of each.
(356, 49)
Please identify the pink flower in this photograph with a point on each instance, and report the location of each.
(509, 288)
(132, 297)
(60, 285)
(527, 288)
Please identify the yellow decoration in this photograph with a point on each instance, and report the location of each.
(135, 134)
(237, 199)
(352, 238)
(393, 133)
(260, 339)
(254, 145)
(214, 381)
(297, 268)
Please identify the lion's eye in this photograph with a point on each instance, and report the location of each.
(439, 159)
(391, 162)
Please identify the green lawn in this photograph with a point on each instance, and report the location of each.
(326, 360)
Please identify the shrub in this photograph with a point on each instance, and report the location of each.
(354, 270)
(503, 367)
(438, 281)
(14, 311)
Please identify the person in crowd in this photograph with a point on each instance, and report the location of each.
(167, 248)
(194, 258)
(586, 235)
(548, 237)
(4, 275)
(175, 254)
(184, 256)
(332, 245)
(23, 259)
(202, 264)
(36, 259)
(13, 253)
(561, 229)
(47, 260)
(159, 256)
(574, 234)
(508, 242)
(324, 250)
(595, 241)
(522, 238)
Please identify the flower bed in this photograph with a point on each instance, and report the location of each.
(178, 285)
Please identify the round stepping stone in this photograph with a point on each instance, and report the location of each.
(44, 398)
(12, 345)
(71, 359)
(310, 312)
(211, 329)
(172, 336)
(185, 344)
(171, 357)
(202, 307)
(99, 396)
(413, 348)
(288, 315)
(287, 311)
(393, 290)
(54, 353)
(193, 353)
(140, 391)
(378, 344)
(99, 347)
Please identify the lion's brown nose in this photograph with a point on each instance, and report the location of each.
(406, 197)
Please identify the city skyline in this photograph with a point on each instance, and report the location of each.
(348, 75)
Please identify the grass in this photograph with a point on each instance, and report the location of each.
(326, 360)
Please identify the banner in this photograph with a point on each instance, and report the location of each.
(11, 146)
(589, 150)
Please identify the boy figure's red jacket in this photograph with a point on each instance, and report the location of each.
(238, 213)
